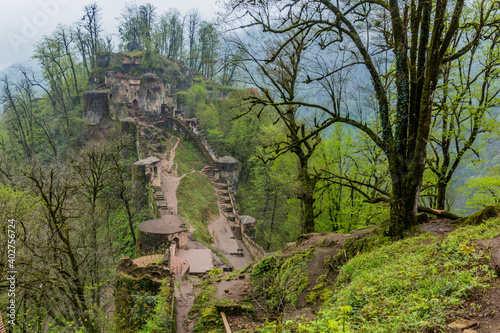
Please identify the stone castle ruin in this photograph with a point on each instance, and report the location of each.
(124, 96)
(148, 100)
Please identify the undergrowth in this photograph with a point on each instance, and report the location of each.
(404, 286)
(197, 202)
(280, 279)
(188, 157)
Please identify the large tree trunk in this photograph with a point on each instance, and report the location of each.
(404, 201)
(306, 196)
(308, 207)
(441, 194)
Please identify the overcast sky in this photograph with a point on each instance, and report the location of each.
(24, 22)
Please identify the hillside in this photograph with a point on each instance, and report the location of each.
(292, 166)
(440, 278)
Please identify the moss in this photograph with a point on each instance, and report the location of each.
(322, 290)
(479, 217)
(208, 309)
(353, 248)
(197, 202)
(281, 279)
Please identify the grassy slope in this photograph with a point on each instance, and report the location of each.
(188, 158)
(403, 286)
(196, 202)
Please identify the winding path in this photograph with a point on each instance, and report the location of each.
(186, 288)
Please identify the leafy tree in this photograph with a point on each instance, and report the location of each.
(59, 259)
(136, 25)
(208, 44)
(169, 34)
(193, 25)
(418, 38)
(351, 174)
(279, 83)
(92, 171)
(468, 95)
(59, 69)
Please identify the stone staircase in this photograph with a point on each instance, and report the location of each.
(160, 200)
(212, 165)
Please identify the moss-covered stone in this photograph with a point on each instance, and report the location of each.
(479, 217)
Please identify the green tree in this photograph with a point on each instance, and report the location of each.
(136, 25)
(468, 94)
(209, 49)
(403, 84)
(279, 83)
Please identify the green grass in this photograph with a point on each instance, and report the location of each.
(188, 158)
(281, 279)
(404, 286)
(197, 201)
(413, 283)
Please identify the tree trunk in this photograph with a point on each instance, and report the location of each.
(404, 203)
(441, 195)
(307, 184)
(129, 215)
(308, 206)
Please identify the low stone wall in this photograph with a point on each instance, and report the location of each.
(255, 249)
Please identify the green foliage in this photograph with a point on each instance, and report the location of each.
(280, 280)
(136, 301)
(142, 308)
(403, 286)
(341, 208)
(484, 190)
(337, 322)
(197, 203)
(408, 285)
(188, 158)
(160, 320)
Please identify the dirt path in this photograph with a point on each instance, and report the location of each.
(185, 291)
(186, 287)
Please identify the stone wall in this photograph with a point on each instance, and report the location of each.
(139, 192)
(95, 106)
(255, 249)
(151, 95)
(158, 243)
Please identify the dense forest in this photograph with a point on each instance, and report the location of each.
(342, 115)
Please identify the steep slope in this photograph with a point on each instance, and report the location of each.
(431, 282)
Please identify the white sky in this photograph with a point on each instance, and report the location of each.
(24, 22)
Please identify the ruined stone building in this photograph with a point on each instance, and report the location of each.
(123, 96)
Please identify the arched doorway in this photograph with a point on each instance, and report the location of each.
(174, 246)
(136, 104)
